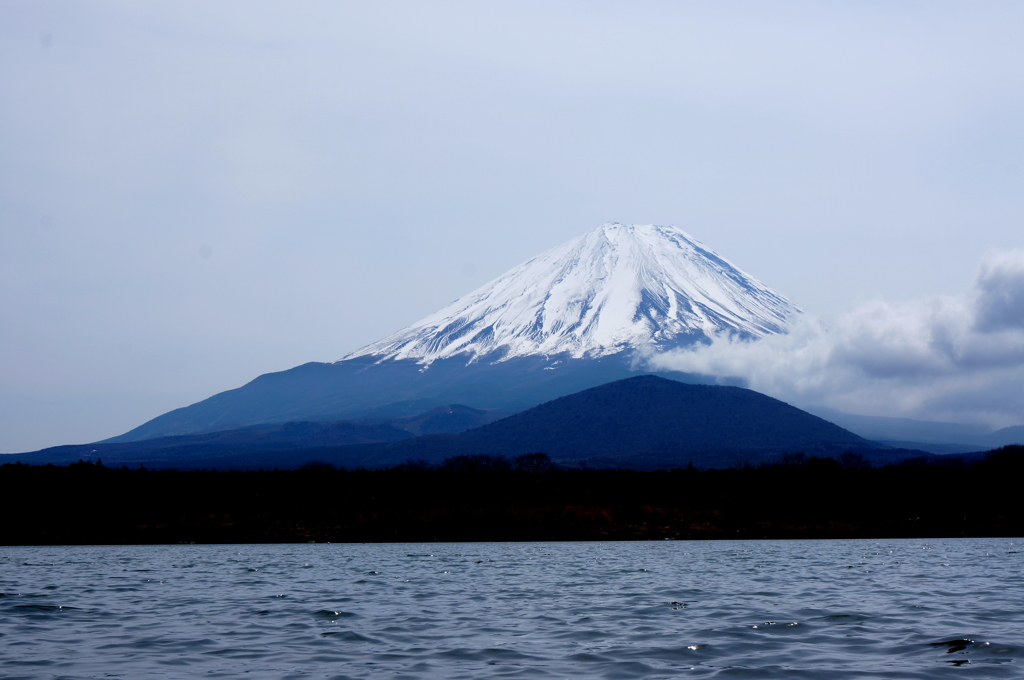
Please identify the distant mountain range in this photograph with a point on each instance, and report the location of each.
(571, 318)
(643, 422)
(931, 436)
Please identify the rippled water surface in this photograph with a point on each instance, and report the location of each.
(751, 609)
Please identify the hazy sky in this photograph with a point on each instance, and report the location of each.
(192, 194)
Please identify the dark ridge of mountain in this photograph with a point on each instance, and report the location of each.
(642, 418)
(243, 441)
(354, 388)
(190, 450)
(1006, 436)
(933, 436)
(931, 447)
(644, 422)
(907, 430)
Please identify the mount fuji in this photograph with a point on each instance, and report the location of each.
(617, 288)
(576, 316)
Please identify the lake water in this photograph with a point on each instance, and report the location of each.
(745, 609)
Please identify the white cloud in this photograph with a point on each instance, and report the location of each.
(957, 358)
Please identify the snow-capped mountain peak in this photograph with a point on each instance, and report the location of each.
(616, 288)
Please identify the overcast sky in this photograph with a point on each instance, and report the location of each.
(192, 194)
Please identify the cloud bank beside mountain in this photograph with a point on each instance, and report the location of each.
(955, 358)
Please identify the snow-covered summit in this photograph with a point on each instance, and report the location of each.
(616, 288)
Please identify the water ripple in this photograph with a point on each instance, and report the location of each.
(820, 610)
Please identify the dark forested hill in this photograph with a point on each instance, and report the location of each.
(645, 420)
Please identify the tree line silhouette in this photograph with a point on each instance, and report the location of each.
(484, 497)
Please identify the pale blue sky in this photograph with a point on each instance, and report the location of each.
(192, 194)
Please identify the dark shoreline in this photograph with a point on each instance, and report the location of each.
(85, 503)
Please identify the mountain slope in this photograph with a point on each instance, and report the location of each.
(1006, 436)
(211, 448)
(574, 317)
(615, 288)
(643, 421)
(359, 387)
(937, 437)
(445, 419)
